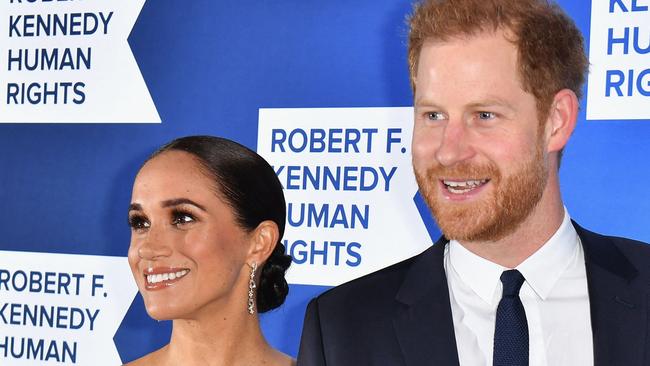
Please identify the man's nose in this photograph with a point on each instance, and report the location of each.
(454, 145)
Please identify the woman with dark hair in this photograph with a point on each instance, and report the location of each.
(206, 216)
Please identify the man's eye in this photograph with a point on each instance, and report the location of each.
(181, 218)
(138, 223)
(486, 115)
(435, 116)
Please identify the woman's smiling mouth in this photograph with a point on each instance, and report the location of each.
(159, 278)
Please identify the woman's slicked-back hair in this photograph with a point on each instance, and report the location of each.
(249, 185)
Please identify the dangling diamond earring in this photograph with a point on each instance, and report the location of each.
(251, 286)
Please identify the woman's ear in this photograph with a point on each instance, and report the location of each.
(561, 120)
(263, 240)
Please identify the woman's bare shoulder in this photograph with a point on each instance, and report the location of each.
(153, 358)
(282, 359)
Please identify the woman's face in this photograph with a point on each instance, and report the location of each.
(187, 253)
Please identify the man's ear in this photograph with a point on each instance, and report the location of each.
(263, 240)
(561, 120)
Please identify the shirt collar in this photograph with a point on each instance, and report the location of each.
(541, 270)
(544, 268)
(481, 275)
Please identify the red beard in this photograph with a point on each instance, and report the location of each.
(495, 215)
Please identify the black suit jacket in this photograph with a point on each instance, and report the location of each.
(401, 315)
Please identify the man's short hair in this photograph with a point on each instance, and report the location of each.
(550, 47)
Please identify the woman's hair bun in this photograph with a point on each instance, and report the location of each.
(273, 287)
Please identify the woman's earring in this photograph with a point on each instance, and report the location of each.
(251, 287)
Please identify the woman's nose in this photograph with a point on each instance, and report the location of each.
(155, 246)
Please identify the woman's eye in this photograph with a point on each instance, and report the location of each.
(435, 116)
(486, 115)
(138, 223)
(181, 218)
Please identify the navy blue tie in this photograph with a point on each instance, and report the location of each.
(511, 328)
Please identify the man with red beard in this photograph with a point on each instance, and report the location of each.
(513, 281)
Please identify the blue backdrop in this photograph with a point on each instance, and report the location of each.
(209, 66)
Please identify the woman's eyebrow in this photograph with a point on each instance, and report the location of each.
(181, 201)
(135, 207)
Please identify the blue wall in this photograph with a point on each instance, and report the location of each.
(210, 66)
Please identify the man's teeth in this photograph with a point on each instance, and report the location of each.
(155, 278)
(455, 186)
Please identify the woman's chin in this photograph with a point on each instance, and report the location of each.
(161, 311)
(160, 316)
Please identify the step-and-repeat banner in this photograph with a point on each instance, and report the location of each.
(88, 89)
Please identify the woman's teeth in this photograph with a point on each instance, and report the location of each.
(155, 278)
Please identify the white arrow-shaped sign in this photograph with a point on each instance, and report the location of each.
(349, 187)
(70, 62)
(60, 309)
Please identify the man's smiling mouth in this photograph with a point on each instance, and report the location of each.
(457, 186)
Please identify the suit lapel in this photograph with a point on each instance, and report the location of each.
(618, 308)
(424, 326)
(423, 321)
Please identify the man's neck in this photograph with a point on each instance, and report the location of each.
(530, 235)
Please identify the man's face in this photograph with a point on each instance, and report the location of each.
(478, 151)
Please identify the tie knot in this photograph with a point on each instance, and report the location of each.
(512, 281)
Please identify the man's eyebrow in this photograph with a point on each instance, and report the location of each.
(181, 201)
(423, 102)
(482, 103)
(491, 102)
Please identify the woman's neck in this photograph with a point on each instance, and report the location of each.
(216, 339)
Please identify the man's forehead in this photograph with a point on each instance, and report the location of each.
(481, 66)
(472, 34)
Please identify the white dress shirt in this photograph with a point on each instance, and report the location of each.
(554, 295)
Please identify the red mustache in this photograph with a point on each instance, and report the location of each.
(464, 170)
